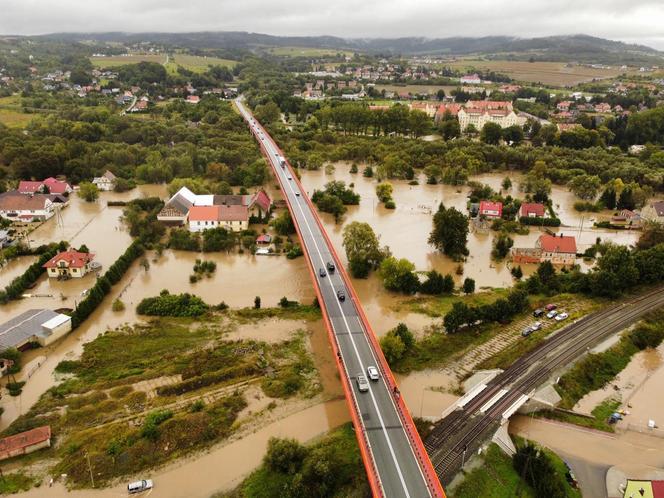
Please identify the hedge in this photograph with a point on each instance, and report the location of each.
(544, 222)
(17, 286)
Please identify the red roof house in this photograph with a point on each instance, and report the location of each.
(562, 244)
(491, 209)
(262, 200)
(69, 263)
(657, 489)
(57, 187)
(28, 187)
(25, 442)
(532, 210)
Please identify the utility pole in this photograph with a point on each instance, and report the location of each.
(92, 479)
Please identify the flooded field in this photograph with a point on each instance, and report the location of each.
(426, 392)
(405, 230)
(14, 268)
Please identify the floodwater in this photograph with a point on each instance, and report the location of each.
(426, 393)
(405, 230)
(14, 268)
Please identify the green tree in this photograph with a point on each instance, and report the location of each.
(362, 249)
(491, 133)
(502, 244)
(88, 191)
(267, 113)
(284, 455)
(384, 191)
(468, 286)
(393, 348)
(507, 183)
(399, 275)
(585, 187)
(450, 232)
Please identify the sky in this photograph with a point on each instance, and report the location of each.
(633, 21)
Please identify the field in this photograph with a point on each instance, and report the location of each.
(121, 60)
(307, 51)
(11, 113)
(547, 73)
(196, 63)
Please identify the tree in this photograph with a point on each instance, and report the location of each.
(437, 283)
(491, 133)
(384, 191)
(539, 471)
(257, 302)
(468, 286)
(283, 224)
(513, 135)
(615, 271)
(449, 128)
(585, 187)
(651, 235)
(399, 275)
(507, 183)
(362, 249)
(450, 232)
(284, 455)
(406, 336)
(393, 348)
(502, 244)
(267, 113)
(88, 191)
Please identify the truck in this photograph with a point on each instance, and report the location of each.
(282, 161)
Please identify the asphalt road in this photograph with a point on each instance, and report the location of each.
(395, 462)
(462, 431)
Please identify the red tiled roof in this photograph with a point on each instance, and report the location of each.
(28, 187)
(657, 489)
(564, 244)
(233, 213)
(262, 199)
(452, 108)
(56, 186)
(487, 105)
(491, 206)
(204, 213)
(532, 207)
(74, 259)
(14, 201)
(25, 439)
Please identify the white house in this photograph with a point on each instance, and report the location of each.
(105, 182)
(21, 207)
(234, 218)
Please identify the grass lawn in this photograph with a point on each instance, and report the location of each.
(199, 64)
(495, 478)
(601, 413)
(15, 483)
(437, 307)
(15, 119)
(120, 60)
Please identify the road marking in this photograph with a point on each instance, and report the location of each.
(343, 316)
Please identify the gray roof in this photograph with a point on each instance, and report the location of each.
(180, 202)
(229, 200)
(659, 207)
(19, 330)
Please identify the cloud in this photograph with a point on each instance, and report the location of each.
(637, 21)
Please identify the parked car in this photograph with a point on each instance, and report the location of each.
(362, 383)
(562, 316)
(263, 251)
(538, 312)
(372, 372)
(536, 326)
(321, 272)
(550, 307)
(139, 486)
(330, 266)
(551, 314)
(527, 331)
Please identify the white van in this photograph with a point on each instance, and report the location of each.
(139, 486)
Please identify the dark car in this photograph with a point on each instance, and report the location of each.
(321, 272)
(330, 266)
(341, 295)
(538, 312)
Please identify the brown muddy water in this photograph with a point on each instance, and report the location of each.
(405, 230)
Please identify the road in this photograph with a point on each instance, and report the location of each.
(390, 453)
(461, 432)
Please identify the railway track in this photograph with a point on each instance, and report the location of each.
(465, 429)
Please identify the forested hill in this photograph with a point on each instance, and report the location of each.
(580, 48)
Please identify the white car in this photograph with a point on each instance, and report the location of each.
(561, 317)
(139, 486)
(290, 177)
(362, 383)
(551, 314)
(372, 372)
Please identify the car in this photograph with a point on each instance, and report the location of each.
(297, 194)
(341, 295)
(538, 312)
(139, 486)
(550, 307)
(536, 326)
(362, 383)
(551, 314)
(321, 272)
(330, 266)
(262, 251)
(290, 177)
(372, 372)
(527, 331)
(562, 316)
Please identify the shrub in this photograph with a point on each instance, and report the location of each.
(166, 304)
(118, 305)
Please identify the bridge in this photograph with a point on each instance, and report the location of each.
(396, 462)
(489, 404)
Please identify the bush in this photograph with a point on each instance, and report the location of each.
(437, 283)
(540, 222)
(149, 429)
(178, 305)
(184, 240)
(390, 204)
(284, 455)
(118, 305)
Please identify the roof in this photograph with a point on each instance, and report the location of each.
(488, 105)
(56, 186)
(74, 259)
(25, 439)
(204, 200)
(491, 206)
(204, 213)
(109, 175)
(264, 238)
(532, 207)
(171, 210)
(262, 199)
(27, 187)
(453, 109)
(565, 244)
(658, 489)
(15, 201)
(22, 328)
(185, 193)
(233, 213)
(56, 321)
(659, 207)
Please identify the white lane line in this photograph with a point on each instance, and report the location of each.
(357, 353)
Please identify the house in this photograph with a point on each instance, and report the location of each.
(177, 208)
(480, 112)
(491, 209)
(428, 108)
(26, 208)
(559, 250)
(105, 182)
(532, 210)
(654, 212)
(264, 239)
(25, 442)
(626, 217)
(470, 79)
(563, 105)
(30, 187)
(230, 217)
(38, 325)
(50, 185)
(452, 109)
(603, 107)
(70, 263)
(192, 99)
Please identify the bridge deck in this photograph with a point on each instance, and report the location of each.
(395, 459)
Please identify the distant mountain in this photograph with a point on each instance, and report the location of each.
(582, 48)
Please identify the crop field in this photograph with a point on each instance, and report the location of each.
(547, 73)
(11, 113)
(199, 64)
(307, 51)
(121, 60)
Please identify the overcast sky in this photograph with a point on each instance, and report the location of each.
(637, 21)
